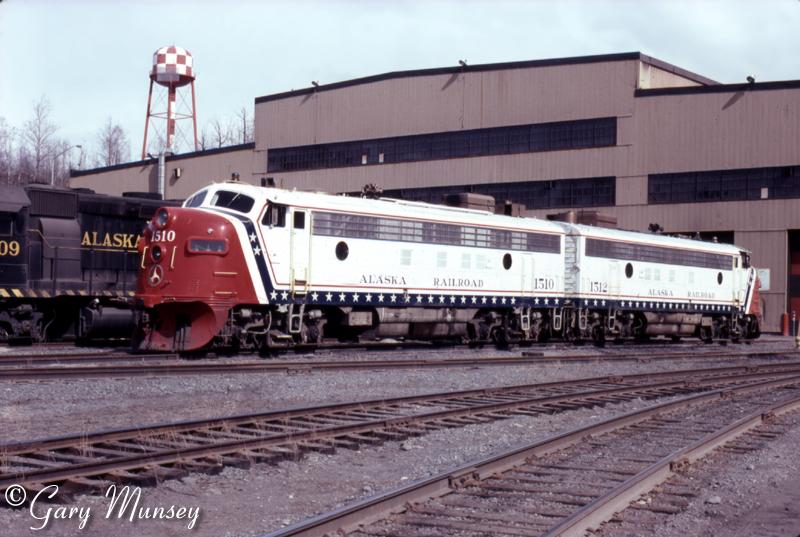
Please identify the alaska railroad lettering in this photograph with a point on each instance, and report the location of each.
(128, 241)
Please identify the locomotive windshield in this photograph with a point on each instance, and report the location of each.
(196, 200)
(233, 200)
(745, 260)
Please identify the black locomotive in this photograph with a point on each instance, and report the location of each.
(68, 262)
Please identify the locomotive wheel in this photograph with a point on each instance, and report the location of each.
(599, 335)
(501, 339)
(706, 334)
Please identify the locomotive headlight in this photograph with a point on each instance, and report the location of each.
(162, 218)
(156, 253)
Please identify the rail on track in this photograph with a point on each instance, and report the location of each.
(453, 500)
(54, 368)
(170, 450)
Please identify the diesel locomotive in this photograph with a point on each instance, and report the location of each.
(68, 263)
(247, 267)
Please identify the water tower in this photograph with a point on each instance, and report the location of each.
(172, 69)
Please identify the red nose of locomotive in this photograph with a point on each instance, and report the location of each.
(191, 272)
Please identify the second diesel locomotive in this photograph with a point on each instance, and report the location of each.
(249, 267)
(68, 263)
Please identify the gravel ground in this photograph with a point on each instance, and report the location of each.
(37, 409)
(248, 502)
(739, 495)
(251, 502)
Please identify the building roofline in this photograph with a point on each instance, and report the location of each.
(576, 60)
(719, 88)
(680, 71)
(154, 161)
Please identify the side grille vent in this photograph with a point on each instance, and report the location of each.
(53, 203)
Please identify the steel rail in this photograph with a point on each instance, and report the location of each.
(626, 381)
(73, 357)
(349, 518)
(623, 384)
(216, 443)
(604, 507)
(305, 366)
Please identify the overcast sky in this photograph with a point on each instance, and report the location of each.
(91, 58)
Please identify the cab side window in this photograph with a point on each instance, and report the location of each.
(745, 260)
(275, 216)
(299, 220)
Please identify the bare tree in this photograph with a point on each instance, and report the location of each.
(112, 143)
(156, 143)
(220, 134)
(203, 140)
(61, 162)
(37, 135)
(7, 164)
(245, 127)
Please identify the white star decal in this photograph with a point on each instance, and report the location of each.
(483, 300)
(452, 299)
(503, 300)
(555, 301)
(368, 297)
(328, 297)
(393, 298)
(536, 301)
(513, 300)
(546, 301)
(273, 295)
(595, 302)
(441, 299)
(419, 298)
(603, 303)
(381, 297)
(342, 296)
(284, 295)
(314, 296)
(474, 300)
(257, 250)
(463, 299)
(494, 300)
(430, 299)
(355, 297)
(252, 237)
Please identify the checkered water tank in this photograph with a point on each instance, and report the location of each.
(172, 66)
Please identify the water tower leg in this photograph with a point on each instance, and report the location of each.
(171, 117)
(147, 120)
(194, 118)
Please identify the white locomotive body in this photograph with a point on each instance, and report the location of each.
(305, 266)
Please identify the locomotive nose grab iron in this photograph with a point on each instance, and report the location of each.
(262, 268)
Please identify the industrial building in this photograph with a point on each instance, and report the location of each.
(624, 134)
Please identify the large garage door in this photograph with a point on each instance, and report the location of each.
(794, 272)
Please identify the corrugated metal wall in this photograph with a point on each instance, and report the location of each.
(196, 172)
(467, 100)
